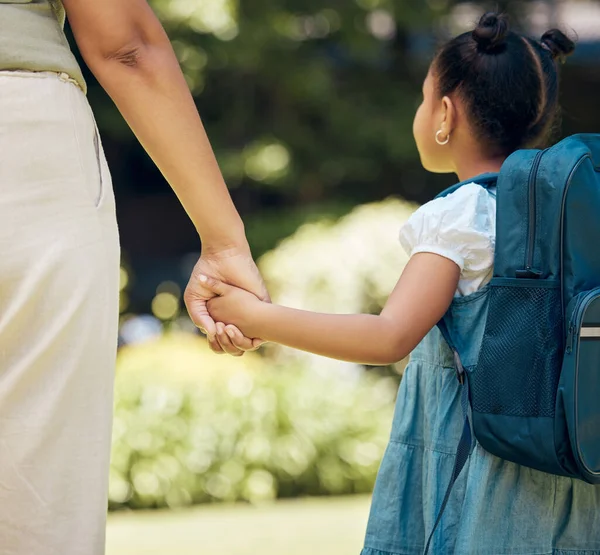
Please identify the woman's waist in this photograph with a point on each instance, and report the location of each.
(53, 153)
(44, 98)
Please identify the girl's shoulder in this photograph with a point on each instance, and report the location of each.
(460, 226)
(468, 197)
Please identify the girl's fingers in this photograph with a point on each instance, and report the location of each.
(216, 286)
(214, 345)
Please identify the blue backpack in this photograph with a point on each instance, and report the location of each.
(534, 395)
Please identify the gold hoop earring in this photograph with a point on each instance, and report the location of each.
(437, 138)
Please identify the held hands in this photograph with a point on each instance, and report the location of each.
(234, 265)
(233, 305)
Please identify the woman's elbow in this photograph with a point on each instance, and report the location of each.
(134, 58)
(129, 55)
(129, 46)
(101, 55)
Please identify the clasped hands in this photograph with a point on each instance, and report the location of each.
(224, 292)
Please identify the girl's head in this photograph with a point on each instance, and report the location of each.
(488, 93)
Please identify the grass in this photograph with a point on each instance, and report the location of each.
(317, 526)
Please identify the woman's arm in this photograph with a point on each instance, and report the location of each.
(419, 300)
(128, 51)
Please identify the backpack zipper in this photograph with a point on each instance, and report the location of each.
(562, 231)
(570, 338)
(573, 336)
(529, 271)
(578, 309)
(573, 320)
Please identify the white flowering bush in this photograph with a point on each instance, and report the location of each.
(348, 266)
(245, 433)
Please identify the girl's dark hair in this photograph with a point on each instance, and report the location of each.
(508, 82)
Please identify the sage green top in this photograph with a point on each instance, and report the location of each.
(32, 38)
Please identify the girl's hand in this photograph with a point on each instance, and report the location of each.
(232, 306)
(233, 265)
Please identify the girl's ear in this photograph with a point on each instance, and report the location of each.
(448, 116)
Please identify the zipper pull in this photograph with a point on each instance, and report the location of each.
(528, 273)
(570, 338)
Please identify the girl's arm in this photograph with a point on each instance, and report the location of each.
(419, 300)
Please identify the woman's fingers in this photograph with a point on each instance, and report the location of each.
(214, 345)
(238, 339)
(225, 341)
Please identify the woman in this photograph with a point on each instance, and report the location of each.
(60, 254)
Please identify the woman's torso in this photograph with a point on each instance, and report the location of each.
(32, 38)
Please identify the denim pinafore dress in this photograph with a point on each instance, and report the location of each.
(496, 507)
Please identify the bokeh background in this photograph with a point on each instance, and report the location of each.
(309, 107)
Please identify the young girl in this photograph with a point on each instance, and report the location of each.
(488, 93)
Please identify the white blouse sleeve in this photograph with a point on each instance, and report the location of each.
(460, 227)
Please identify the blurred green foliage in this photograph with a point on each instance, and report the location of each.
(308, 105)
(243, 435)
(303, 101)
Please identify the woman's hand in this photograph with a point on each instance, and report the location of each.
(233, 265)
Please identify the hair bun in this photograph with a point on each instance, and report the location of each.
(558, 44)
(491, 32)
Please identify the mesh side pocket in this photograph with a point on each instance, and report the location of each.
(521, 353)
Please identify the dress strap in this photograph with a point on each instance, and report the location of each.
(465, 444)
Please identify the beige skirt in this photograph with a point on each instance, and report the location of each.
(59, 272)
